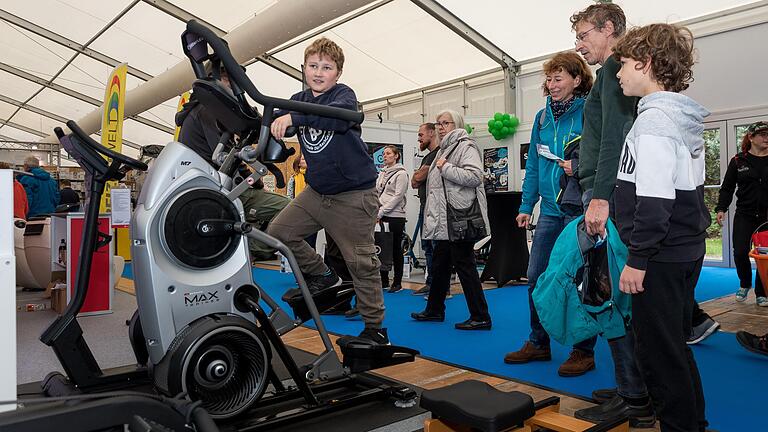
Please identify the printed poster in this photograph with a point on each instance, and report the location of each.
(496, 168)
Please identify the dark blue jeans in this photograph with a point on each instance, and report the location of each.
(629, 381)
(427, 247)
(547, 230)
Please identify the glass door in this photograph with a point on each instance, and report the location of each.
(733, 131)
(717, 157)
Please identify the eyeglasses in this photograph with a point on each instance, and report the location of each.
(580, 37)
(444, 123)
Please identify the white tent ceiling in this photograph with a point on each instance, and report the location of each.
(55, 55)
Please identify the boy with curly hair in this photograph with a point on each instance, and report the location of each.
(661, 216)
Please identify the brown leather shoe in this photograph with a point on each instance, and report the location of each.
(578, 363)
(528, 353)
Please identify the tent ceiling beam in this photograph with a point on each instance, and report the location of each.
(61, 40)
(325, 28)
(184, 16)
(24, 128)
(448, 19)
(34, 109)
(251, 39)
(77, 95)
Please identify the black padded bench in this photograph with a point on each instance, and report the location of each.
(471, 406)
(478, 405)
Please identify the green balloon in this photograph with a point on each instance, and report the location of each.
(490, 123)
(498, 116)
(498, 124)
(507, 122)
(505, 117)
(514, 121)
(504, 131)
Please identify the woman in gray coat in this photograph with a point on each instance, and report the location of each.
(458, 166)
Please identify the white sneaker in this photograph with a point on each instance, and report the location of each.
(742, 293)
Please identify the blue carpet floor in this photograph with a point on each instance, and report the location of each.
(734, 380)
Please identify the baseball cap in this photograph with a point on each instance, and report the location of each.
(757, 127)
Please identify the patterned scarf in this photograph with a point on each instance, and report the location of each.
(560, 107)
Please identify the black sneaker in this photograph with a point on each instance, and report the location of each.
(377, 336)
(754, 343)
(317, 283)
(422, 291)
(395, 288)
(702, 331)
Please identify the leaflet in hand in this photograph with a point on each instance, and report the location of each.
(543, 151)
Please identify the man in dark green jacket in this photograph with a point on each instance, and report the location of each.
(608, 117)
(608, 114)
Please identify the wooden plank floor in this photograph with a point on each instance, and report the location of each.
(428, 374)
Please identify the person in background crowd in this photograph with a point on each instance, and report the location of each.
(608, 116)
(41, 188)
(428, 140)
(68, 195)
(747, 175)
(297, 182)
(557, 126)
(392, 186)
(296, 185)
(20, 204)
(455, 176)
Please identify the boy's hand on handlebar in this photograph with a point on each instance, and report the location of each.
(279, 125)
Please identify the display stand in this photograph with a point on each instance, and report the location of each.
(508, 259)
(100, 287)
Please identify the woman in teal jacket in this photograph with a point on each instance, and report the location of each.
(556, 128)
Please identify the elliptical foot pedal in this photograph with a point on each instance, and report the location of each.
(324, 299)
(362, 355)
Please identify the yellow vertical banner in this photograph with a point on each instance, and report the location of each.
(183, 99)
(112, 122)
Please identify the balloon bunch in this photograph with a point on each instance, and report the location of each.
(502, 126)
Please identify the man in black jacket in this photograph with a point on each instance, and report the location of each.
(68, 195)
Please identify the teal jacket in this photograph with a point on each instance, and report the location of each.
(556, 297)
(542, 175)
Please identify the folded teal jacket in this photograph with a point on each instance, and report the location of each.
(557, 295)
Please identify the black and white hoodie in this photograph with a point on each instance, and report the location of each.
(659, 197)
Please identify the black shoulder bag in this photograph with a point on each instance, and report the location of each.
(463, 224)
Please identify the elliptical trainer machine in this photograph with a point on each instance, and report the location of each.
(201, 331)
(205, 331)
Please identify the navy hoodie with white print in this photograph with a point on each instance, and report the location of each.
(660, 210)
(337, 158)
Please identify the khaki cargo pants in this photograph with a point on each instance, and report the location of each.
(348, 217)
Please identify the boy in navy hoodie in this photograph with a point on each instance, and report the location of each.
(661, 216)
(341, 188)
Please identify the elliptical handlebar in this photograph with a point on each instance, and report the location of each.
(92, 144)
(198, 53)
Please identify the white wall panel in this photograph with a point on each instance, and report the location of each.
(438, 100)
(731, 69)
(407, 112)
(485, 99)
